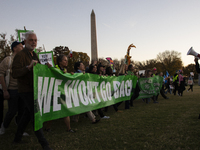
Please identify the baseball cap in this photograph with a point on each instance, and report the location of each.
(15, 43)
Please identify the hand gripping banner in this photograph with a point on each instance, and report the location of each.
(58, 94)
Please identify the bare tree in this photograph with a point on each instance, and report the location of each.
(170, 61)
(5, 46)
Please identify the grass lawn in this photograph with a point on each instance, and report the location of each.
(171, 124)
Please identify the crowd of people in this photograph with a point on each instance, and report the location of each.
(19, 91)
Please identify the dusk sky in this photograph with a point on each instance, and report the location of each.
(153, 26)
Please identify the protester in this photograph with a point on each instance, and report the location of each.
(197, 64)
(168, 85)
(162, 89)
(100, 69)
(191, 84)
(1, 106)
(154, 73)
(93, 70)
(175, 82)
(181, 83)
(123, 69)
(148, 74)
(197, 69)
(22, 70)
(10, 93)
(129, 72)
(62, 62)
(80, 68)
(137, 90)
(109, 72)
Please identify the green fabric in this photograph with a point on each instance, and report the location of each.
(59, 68)
(150, 86)
(58, 94)
(130, 73)
(175, 78)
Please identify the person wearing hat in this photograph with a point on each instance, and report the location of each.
(10, 89)
(154, 71)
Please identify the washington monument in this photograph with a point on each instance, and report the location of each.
(94, 53)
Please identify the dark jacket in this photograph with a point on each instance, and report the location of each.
(20, 71)
(197, 67)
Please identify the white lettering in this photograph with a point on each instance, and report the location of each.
(56, 95)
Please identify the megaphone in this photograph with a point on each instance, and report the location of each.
(193, 53)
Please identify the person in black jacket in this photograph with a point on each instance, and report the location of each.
(197, 69)
(197, 65)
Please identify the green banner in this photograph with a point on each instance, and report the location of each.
(58, 94)
(150, 86)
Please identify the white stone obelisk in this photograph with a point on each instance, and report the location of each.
(94, 53)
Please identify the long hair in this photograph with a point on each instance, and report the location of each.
(109, 71)
(59, 59)
(91, 67)
(77, 65)
(147, 72)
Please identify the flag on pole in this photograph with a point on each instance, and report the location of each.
(167, 74)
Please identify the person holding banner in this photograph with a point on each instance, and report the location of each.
(80, 68)
(148, 74)
(129, 103)
(154, 73)
(109, 72)
(100, 69)
(93, 70)
(62, 62)
(22, 70)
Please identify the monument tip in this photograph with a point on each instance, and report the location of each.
(92, 11)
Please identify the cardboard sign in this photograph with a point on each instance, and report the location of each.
(45, 57)
(190, 82)
(141, 72)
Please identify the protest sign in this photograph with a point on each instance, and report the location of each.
(45, 57)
